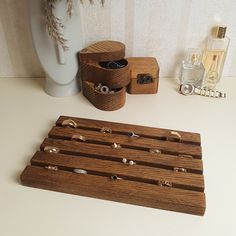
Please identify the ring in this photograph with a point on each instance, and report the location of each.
(98, 87)
(133, 135)
(180, 169)
(131, 163)
(186, 156)
(50, 149)
(116, 145)
(115, 177)
(156, 151)
(164, 183)
(104, 89)
(69, 123)
(54, 168)
(80, 171)
(105, 130)
(174, 135)
(78, 137)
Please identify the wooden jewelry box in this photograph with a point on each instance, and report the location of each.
(144, 75)
(133, 164)
(103, 63)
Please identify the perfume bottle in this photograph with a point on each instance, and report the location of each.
(192, 70)
(214, 57)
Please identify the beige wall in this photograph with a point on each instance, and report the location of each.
(160, 28)
(17, 57)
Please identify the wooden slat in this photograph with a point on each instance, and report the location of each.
(105, 152)
(187, 137)
(121, 190)
(124, 140)
(136, 172)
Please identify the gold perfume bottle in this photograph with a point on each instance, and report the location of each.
(214, 57)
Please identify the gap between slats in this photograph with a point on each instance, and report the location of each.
(99, 152)
(149, 132)
(107, 168)
(143, 144)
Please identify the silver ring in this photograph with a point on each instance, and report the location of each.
(115, 177)
(104, 89)
(80, 171)
(97, 87)
(133, 135)
(131, 162)
(155, 151)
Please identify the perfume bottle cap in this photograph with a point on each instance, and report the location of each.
(221, 31)
(194, 56)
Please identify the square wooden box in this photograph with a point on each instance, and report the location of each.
(140, 68)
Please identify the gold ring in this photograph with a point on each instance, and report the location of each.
(116, 145)
(69, 123)
(174, 135)
(50, 149)
(105, 130)
(78, 138)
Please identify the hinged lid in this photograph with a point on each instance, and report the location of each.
(103, 51)
(140, 65)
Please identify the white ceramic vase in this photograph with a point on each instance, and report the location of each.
(61, 67)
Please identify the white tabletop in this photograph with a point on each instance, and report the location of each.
(26, 115)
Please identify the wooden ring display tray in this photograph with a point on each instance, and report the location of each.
(133, 164)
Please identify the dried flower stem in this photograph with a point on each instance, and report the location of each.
(53, 24)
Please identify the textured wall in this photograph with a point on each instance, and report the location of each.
(160, 28)
(17, 57)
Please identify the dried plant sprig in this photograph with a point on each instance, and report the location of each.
(53, 24)
(69, 7)
(92, 2)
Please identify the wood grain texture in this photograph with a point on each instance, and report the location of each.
(185, 201)
(128, 148)
(136, 172)
(17, 55)
(105, 102)
(144, 131)
(117, 78)
(142, 143)
(102, 51)
(143, 65)
(107, 153)
(160, 180)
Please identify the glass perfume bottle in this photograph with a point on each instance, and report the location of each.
(214, 57)
(192, 70)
